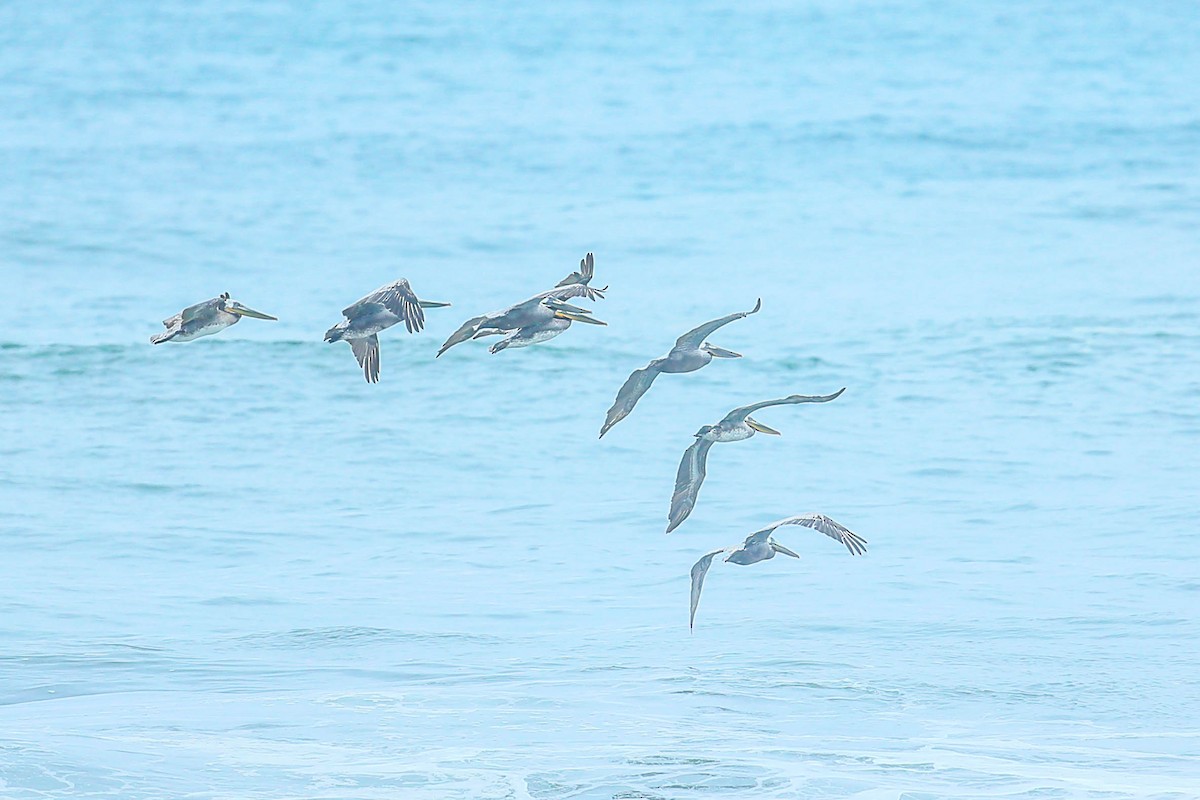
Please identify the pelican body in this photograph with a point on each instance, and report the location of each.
(381, 309)
(689, 354)
(735, 427)
(205, 319)
(536, 334)
(537, 319)
(761, 546)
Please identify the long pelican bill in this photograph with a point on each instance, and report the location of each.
(242, 311)
(758, 426)
(562, 313)
(781, 549)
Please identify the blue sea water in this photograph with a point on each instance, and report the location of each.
(232, 569)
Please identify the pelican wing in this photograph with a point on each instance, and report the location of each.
(367, 352)
(587, 269)
(696, 336)
(818, 522)
(465, 332)
(740, 414)
(566, 293)
(699, 570)
(398, 298)
(635, 386)
(207, 308)
(692, 469)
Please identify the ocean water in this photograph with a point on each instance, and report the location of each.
(232, 569)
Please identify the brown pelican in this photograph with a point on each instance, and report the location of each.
(541, 317)
(689, 354)
(564, 315)
(736, 426)
(378, 311)
(759, 546)
(205, 319)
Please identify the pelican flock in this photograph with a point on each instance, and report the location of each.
(538, 319)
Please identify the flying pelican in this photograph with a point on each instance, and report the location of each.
(564, 315)
(737, 425)
(759, 546)
(689, 354)
(205, 319)
(378, 311)
(537, 314)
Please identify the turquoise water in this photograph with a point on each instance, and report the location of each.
(232, 569)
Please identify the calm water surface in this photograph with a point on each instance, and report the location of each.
(232, 569)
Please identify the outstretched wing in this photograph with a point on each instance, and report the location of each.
(740, 414)
(635, 386)
(696, 336)
(587, 268)
(367, 352)
(692, 470)
(465, 332)
(699, 570)
(818, 522)
(398, 298)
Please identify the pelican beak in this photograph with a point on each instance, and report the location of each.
(562, 313)
(720, 352)
(778, 548)
(433, 304)
(242, 311)
(758, 426)
(558, 305)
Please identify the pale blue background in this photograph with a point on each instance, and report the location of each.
(232, 569)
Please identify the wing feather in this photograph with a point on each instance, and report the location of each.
(567, 292)
(367, 352)
(398, 298)
(587, 269)
(818, 522)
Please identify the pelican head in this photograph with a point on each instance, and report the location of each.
(234, 307)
